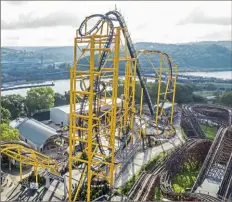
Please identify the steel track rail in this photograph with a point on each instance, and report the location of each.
(223, 116)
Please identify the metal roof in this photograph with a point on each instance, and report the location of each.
(35, 131)
(66, 108)
(166, 105)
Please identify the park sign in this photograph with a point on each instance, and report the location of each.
(55, 177)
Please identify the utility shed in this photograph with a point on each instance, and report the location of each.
(61, 114)
(166, 106)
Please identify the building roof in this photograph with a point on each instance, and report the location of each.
(16, 122)
(166, 105)
(63, 108)
(211, 97)
(66, 108)
(35, 131)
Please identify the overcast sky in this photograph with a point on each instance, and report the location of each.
(50, 23)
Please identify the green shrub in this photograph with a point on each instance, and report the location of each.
(186, 178)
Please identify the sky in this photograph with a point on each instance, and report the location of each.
(54, 23)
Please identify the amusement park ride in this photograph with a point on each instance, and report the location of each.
(107, 130)
(109, 135)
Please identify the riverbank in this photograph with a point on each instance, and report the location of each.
(26, 86)
(183, 69)
(225, 73)
(62, 86)
(28, 82)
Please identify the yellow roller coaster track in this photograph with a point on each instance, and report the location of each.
(21, 153)
(105, 135)
(168, 92)
(100, 125)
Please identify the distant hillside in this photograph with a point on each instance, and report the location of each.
(193, 55)
(56, 53)
(64, 52)
(27, 48)
(207, 54)
(225, 44)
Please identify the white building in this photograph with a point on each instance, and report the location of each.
(61, 114)
(167, 107)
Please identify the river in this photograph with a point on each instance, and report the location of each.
(220, 75)
(63, 85)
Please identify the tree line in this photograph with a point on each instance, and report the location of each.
(15, 105)
(184, 93)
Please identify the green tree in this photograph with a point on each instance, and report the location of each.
(210, 87)
(226, 99)
(60, 99)
(198, 98)
(67, 96)
(5, 115)
(8, 134)
(217, 93)
(39, 98)
(184, 93)
(64, 66)
(15, 104)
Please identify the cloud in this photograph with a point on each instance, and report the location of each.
(14, 38)
(11, 40)
(47, 38)
(141, 26)
(219, 36)
(26, 21)
(198, 17)
(16, 2)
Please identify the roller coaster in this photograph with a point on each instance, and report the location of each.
(25, 155)
(108, 131)
(164, 172)
(215, 159)
(216, 166)
(109, 137)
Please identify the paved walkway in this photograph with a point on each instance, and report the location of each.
(12, 189)
(24, 194)
(6, 187)
(14, 172)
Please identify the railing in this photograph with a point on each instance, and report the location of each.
(226, 185)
